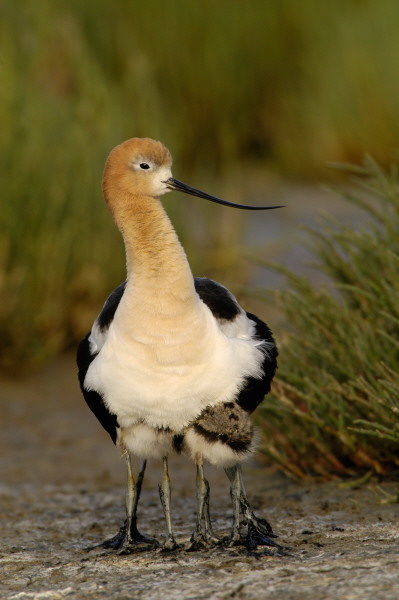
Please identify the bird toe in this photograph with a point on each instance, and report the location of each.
(202, 541)
(169, 545)
(255, 537)
(127, 544)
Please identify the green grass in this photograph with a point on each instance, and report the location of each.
(336, 401)
(280, 86)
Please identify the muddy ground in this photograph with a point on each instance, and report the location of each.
(62, 490)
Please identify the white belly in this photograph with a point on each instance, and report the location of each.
(165, 378)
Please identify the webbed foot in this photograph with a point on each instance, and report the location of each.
(125, 543)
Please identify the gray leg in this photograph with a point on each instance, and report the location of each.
(203, 536)
(262, 524)
(165, 493)
(235, 492)
(129, 539)
(259, 530)
(209, 534)
(133, 492)
(139, 484)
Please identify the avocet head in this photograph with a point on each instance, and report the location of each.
(139, 166)
(142, 167)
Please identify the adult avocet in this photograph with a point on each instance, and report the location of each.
(172, 362)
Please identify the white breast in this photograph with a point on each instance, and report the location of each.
(166, 375)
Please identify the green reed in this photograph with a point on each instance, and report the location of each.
(269, 84)
(335, 405)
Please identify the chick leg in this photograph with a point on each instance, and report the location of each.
(129, 539)
(203, 535)
(235, 494)
(165, 494)
(259, 531)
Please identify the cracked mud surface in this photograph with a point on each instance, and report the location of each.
(62, 490)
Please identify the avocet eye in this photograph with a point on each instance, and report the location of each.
(144, 165)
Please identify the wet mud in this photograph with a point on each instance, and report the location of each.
(62, 491)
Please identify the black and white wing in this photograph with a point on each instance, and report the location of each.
(88, 349)
(226, 310)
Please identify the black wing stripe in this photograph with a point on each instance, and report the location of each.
(254, 390)
(93, 399)
(217, 298)
(84, 358)
(222, 304)
(106, 316)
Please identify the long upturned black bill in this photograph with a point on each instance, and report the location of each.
(178, 186)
